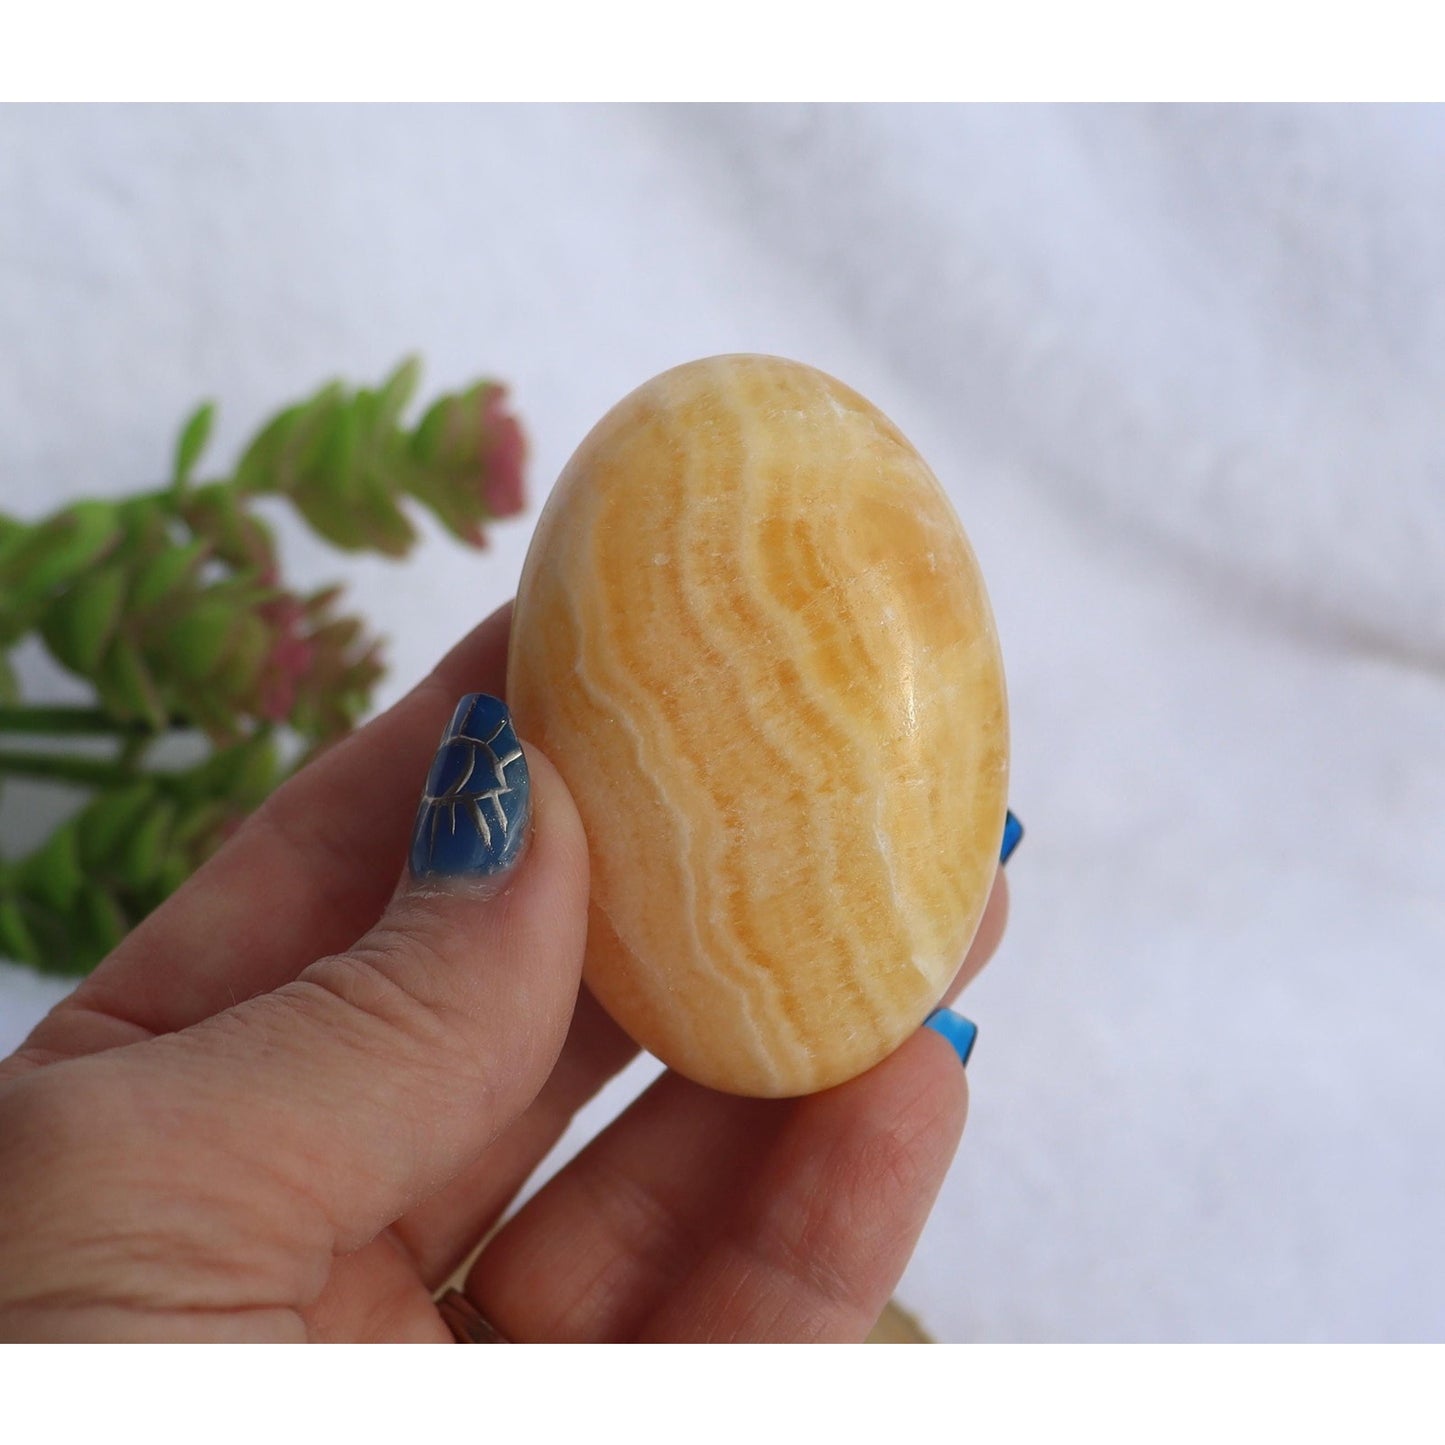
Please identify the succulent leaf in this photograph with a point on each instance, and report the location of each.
(161, 577)
(58, 550)
(192, 442)
(105, 823)
(127, 687)
(16, 938)
(53, 874)
(144, 851)
(80, 623)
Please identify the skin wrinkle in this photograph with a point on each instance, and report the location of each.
(639, 1220)
(190, 1212)
(133, 1322)
(738, 1285)
(80, 1029)
(435, 1067)
(293, 1171)
(596, 1050)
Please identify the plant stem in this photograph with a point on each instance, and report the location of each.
(60, 721)
(132, 752)
(60, 768)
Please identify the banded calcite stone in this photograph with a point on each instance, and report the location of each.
(753, 637)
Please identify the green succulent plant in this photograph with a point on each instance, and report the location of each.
(170, 606)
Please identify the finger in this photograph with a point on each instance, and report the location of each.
(822, 1239)
(697, 1215)
(442, 1231)
(441, 1234)
(305, 875)
(367, 1083)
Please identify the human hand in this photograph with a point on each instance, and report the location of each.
(251, 1124)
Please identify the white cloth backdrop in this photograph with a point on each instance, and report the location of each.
(1183, 372)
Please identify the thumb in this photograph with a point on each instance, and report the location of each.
(381, 1072)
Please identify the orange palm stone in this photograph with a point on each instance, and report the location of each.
(754, 639)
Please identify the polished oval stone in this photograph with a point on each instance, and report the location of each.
(753, 637)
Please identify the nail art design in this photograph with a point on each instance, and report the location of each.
(959, 1031)
(1013, 835)
(474, 812)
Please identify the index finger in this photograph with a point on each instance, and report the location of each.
(306, 875)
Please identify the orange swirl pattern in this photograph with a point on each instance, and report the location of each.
(753, 637)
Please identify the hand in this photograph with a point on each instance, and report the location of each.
(249, 1124)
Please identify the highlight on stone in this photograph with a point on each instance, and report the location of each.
(752, 635)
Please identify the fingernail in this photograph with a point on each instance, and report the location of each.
(959, 1031)
(473, 814)
(1013, 835)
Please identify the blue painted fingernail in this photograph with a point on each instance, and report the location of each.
(473, 814)
(1013, 835)
(959, 1031)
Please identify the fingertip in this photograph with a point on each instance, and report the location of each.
(934, 1078)
(919, 1087)
(538, 924)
